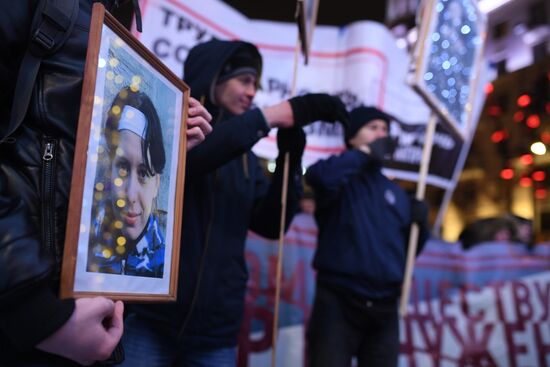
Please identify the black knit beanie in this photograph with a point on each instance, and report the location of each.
(245, 60)
(361, 116)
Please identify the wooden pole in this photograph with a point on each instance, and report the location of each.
(284, 190)
(312, 24)
(279, 272)
(420, 193)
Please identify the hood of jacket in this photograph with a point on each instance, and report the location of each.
(203, 65)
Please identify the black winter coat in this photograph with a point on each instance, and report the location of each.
(34, 191)
(226, 194)
(364, 222)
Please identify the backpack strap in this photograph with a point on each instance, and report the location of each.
(52, 25)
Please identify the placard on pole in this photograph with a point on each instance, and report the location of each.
(444, 71)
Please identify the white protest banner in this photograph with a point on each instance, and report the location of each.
(360, 62)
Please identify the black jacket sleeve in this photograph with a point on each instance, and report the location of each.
(228, 140)
(232, 138)
(327, 177)
(29, 309)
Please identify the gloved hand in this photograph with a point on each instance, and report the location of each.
(318, 107)
(419, 211)
(382, 148)
(293, 141)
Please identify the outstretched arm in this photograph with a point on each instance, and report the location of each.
(228, 140)
(237, 135)
(302, 110)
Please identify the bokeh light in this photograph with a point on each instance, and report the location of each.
(524, 100)
(538, 148)
(507, 174)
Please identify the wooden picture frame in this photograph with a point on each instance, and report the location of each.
(447, 59)
(125, 207)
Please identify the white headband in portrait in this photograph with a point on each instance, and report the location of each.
(134, 120)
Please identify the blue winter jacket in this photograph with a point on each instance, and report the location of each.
(364, 221)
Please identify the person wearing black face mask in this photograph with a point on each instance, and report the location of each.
(364, 220)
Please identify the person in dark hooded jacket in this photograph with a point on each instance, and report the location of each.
(226, 194)
(364, 220)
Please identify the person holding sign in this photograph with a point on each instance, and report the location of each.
(364, 220)
(128, 237)
(226, 194)
(36, 163)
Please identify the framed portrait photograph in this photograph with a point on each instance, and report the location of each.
(125, 206)
(447, 59)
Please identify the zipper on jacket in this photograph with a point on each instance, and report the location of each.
(48, 203)
(48, 152)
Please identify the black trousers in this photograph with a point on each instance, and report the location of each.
(343, 325)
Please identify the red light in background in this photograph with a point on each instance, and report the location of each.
(489, 88)
(538, 176)
(547, 107)
(526, 159)
(533, 121)
(519, 116)
(495, 110)
(498, 136)
(525, 182)
(507, 174)
(524, 100)
(541, 193)
(545, 137)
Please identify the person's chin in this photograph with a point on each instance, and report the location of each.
(132, 233)
(240, 109)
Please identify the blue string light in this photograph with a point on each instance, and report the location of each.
(455, 42)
